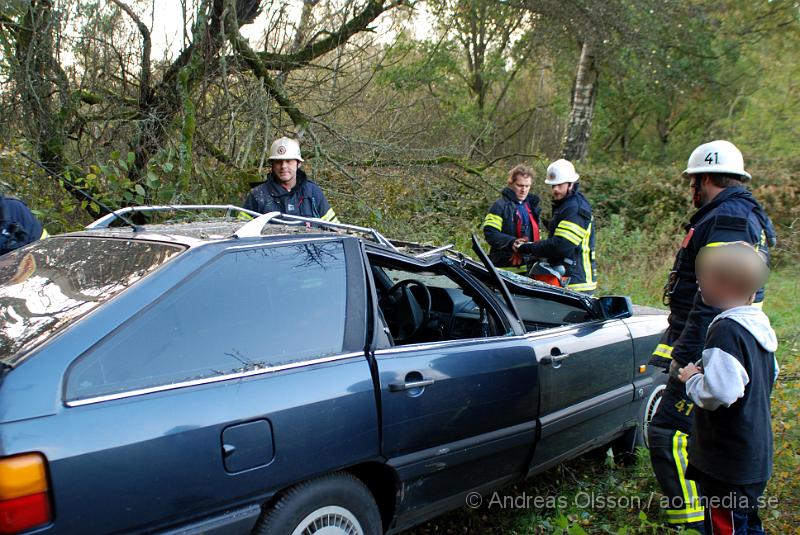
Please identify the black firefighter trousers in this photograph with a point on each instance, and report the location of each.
(668, 437)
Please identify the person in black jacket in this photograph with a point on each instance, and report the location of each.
(572, 238)
(287, 189)
(516, 215)
(730, 455)
(727, 212)
(18, 225)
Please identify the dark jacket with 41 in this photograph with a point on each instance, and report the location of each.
(500, 225)
(305, 199)
(733, 215)
(571, 241)
(18, 226)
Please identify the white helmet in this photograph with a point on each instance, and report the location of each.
(561, 171)
(285, 149)
(718, 156)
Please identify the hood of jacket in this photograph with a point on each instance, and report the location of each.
(740, 193)
(755, 321)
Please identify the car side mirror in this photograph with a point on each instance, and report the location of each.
(616, 306)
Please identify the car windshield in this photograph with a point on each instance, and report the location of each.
(48, 285)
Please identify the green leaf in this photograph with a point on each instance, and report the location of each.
(139, 189)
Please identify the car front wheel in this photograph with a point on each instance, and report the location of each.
(337, 504)
(624, 447)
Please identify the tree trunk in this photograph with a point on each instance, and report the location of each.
(584, 94)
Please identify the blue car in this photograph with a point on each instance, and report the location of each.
(293, 376)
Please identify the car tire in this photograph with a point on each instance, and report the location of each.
(332, 504)
(624, 448)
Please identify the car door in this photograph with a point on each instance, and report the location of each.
(246, 377)
(457, 415)
(586, 387)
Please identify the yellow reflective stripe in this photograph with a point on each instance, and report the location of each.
(583, 286)
(44, 235)
(567, 235)
(760, 304)
(335, 220)
(663, 350)
(684, 516)
(330, 215)
(690, 496)
(244, 217)
(587, 261)
(494, 221)
(719, 243)
(574, 227)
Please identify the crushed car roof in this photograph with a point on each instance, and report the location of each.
(192, 232)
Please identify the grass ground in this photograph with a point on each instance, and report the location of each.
(576, 497)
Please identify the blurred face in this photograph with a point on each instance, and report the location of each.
(285, 170)
(560, 190)
(717, 291)
(521, 186)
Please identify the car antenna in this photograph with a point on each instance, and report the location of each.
(135, 227)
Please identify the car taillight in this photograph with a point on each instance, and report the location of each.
(24, 500)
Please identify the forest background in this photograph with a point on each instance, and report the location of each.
(410, 114)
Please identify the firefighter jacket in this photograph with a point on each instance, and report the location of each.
(503, 225)
(18, 226)
(571, 241)
(305, 199)
(733, 215)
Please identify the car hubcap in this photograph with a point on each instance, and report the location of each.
(652, 406)
(330, 520)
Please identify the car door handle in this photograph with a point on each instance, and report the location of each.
(555, 357)
(408, 385)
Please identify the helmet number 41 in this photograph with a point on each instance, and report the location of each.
(712, 157)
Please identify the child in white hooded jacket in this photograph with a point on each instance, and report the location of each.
(730, 455)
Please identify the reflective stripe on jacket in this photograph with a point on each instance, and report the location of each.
(571, 241)
(501, 223)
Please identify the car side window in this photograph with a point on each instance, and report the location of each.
(539, 313)
(423, 305)
(245, 310)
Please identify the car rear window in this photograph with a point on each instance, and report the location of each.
(246, 310)
(48, 285)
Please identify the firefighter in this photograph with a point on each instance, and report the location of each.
(18, 225)
(287, 188)
(571, 230)
(516, 215)
(726, 212)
